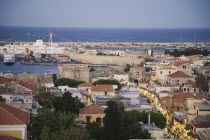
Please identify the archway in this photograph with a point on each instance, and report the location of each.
(136, 82)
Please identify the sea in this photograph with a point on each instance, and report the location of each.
(133, 35)
(106, 34)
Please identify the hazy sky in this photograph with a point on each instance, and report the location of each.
(106, 13)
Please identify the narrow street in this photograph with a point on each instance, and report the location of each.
(175, 131)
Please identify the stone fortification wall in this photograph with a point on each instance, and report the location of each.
(74, 71)
(95, 59)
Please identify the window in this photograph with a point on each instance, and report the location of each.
(177, 108)
(184, 89)
(169, 72)
(194, 90)
(188, 89)
(184, 66)
(98, 120)
(161, 72)
(88, 119)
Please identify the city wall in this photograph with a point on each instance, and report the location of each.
(95, 59)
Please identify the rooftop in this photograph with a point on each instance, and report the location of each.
(182, 62)
(5, 80)
(12, 116)
(102, 88)
(184, 95)
(203, 106)
(85, 85)
(28, 85)
(179, 74)
(92, 109)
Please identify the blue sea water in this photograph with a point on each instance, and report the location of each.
(18, 68)
(95, 35)
(107, 34)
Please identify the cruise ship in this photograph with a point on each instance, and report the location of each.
(38, 47)
(9, 59)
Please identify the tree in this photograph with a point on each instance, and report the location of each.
(41, 89)
(157, 118)
(92, 69)
(130, 127)
(53, 121)
(43, 55)
(75, 133)
(202, 82)
(2, 99)
(45, 99)
(95, 130)
(135, 132)
(127, 69)
(147, 59)
(67, 82)
(54, 78)
(108, 82)
(67, 103)
(112, 120)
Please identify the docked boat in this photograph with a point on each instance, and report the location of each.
(9, 59)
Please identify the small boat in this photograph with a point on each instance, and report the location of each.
(9, 59)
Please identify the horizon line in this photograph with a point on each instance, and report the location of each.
(112, 27)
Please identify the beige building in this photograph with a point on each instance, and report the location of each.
(184, 66)
(102, 90)
(162, 73)
(191, 111)
(137, 73)
(91, 52)
(178, 78)
(13, 122)
(92, 113)
(74, 71)
(121, 76)
(191, 87)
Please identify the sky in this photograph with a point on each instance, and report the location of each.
(106, 13)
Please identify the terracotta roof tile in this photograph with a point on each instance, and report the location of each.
(179, 74)
(184, 95)
(102, 88)
(92, 109)
(85, 85)
(5, 80)
(182, 62)
(27, 85)
(12, 116)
